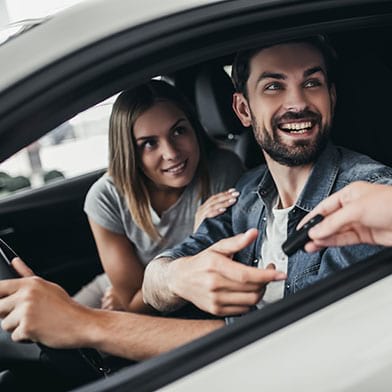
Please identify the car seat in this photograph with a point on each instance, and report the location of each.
(213, 99)
(361, 122)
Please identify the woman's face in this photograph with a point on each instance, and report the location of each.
(167, 146)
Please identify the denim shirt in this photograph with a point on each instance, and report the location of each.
(335, 168)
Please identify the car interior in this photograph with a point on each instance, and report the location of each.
(52, 218)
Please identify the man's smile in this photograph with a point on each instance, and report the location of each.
(297, 127)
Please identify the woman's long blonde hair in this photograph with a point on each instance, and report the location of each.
(124, 166)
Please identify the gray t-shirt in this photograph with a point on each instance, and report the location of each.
(106, 207)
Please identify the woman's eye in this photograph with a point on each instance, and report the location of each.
(312, 83)
(148, 144)
(179, 131)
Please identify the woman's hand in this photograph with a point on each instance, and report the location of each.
(215, 205)
(110, 301)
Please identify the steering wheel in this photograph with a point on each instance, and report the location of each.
(75, 366)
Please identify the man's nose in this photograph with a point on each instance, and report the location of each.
(295, 100)
(169, 150)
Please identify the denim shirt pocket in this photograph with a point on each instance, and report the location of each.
(306, 277)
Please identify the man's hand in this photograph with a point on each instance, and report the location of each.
(217, 284)
(37, 310)
(359, 213)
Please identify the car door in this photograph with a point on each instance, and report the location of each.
(138, 53)
(48, 229)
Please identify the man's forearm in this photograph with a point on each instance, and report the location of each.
(156, 288)
(140, 337)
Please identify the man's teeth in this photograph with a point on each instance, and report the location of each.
(301, 127)
(176, 169)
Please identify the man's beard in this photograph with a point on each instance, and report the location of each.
(300, 152)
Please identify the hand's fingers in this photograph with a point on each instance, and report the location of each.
(232, 192)
(21, 268)
(217, 208)
(231, 245)
(106, 296)
(106, 299)
(10, 322)
(337, 222)
(217, 204)
(341, 239)
(9, 286)
(7, 304)
(219, 196)
(222, 199)
(311, 247)
(107, 306)
(325, 208)
(216, 282)
(244, 275)
(20, 334)
(341, 198)
(238, 298)
(231, 310)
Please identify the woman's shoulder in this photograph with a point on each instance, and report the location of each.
(103, 187)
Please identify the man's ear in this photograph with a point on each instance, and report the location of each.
(242, 109)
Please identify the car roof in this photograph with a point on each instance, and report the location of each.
(91, 21)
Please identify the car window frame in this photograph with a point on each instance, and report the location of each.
(27, 101)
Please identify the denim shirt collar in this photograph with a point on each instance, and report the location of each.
(266, 190)
(317, 187)
(321, 179)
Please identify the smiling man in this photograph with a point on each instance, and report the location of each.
(287, 94)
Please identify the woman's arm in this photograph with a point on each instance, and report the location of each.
(122, 266)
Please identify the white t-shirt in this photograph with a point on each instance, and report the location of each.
(271, 252)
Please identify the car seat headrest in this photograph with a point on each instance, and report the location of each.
(213, 96)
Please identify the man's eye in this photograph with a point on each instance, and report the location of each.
(273, 87)
(312, 83)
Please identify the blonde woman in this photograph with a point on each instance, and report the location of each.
(162, 172)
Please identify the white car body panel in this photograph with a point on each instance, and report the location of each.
(332, 353)
(77, 27)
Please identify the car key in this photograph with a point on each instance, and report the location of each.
(300, 237)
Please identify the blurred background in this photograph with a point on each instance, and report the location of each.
(76, 147)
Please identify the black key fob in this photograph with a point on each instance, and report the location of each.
(299, 238)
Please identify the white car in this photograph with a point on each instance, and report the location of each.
(334, 336)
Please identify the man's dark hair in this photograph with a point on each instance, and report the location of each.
(241, 65)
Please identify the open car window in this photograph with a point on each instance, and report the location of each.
(59, 116)
(76, 147)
